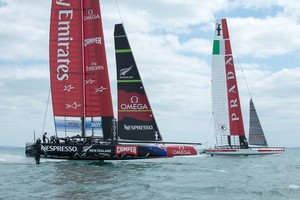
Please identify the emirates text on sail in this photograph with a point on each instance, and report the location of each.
(64, 17)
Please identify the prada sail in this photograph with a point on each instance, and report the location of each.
(227, 115)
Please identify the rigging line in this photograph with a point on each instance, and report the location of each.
(246, 82)
(237, 61)
(208, 133)
(119, 11)
(46, 111)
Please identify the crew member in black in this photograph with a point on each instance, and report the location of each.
(45, 137)
(37, 153)
(56, 140)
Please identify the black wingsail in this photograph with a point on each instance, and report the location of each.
(256, 133)
(135, 117)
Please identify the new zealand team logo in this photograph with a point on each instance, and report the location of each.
(124, 71)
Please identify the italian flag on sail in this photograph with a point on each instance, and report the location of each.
(219, 47)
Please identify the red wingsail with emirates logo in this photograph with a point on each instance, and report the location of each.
(80, 87)
(66, 59)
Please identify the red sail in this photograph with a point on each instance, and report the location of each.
(98, 95)
(234, 107)
(66, 58)
(79, 75)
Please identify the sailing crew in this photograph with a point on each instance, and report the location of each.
(52, 139)
(45, 137)
(56, 140)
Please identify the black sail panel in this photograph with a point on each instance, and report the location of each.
(135, 117)
(256, 133)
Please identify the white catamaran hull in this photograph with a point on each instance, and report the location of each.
(246, 152)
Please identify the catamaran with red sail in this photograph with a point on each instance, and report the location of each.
(85, 127)
(227, 114)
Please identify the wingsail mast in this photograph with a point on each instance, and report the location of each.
(81, 95)
(227, 113)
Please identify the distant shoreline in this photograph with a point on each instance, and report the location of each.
(10, 147)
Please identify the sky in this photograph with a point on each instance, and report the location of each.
(172, 43)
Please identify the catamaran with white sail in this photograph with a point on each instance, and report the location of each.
(226, 107)
(85, 127)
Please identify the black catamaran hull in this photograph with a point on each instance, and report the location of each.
(108, 151)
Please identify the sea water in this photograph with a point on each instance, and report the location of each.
(200, 177)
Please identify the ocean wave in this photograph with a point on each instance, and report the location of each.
(44, 160)
(221, 170)
(10, 158)
(294, 187)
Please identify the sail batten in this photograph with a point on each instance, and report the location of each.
(123, 50)
(129, 81)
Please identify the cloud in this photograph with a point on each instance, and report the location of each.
(24, 33)
(168, 15)
(264, 37)
(286, 8)
(276, 101)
